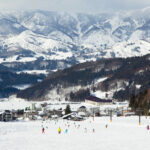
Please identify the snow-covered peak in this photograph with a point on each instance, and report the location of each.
(77, 37)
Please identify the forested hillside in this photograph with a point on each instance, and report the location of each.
(141, 102)
(9, 79)
(123, 77)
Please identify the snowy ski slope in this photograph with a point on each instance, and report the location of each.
(123, 133)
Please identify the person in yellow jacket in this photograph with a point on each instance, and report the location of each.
(59, 130)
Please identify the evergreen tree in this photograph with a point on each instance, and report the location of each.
(72, 95)
(132, 100)
(67, 110)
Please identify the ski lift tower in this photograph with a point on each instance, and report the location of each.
(139, 111)
(110, 115)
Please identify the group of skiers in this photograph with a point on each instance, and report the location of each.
(59, 130)
(77, 126)
(67, 126)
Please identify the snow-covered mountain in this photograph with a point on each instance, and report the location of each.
(57, 40)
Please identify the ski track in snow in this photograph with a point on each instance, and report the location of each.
(123, 133)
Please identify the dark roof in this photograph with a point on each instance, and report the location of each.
(83, 107)
(96, 99)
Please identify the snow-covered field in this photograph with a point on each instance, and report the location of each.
(123, 133)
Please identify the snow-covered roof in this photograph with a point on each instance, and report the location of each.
(96, 99)
(1, 112)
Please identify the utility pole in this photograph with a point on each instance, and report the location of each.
(140, 113)
(93, 114)
(111, 115)
(139, 118)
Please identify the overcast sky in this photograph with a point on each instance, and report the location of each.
(91, 6)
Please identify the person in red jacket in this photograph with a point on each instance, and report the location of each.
(147, 127)
(43, 130)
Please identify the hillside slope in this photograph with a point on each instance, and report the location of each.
(10, 82)
(109, 78)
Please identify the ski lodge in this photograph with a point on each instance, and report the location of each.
(97, 101)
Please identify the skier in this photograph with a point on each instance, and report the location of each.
(106, 125)
(93, 130)
(78, 126)
(85, 129)
(66, 131)
(43, 130)
(147, 127)
(59, 130)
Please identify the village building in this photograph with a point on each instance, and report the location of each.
(82, 111)
(73, 116)
(30, 112)
(6, 115)
(88, 110)
(97, 101)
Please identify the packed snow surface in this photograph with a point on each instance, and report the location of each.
(123, 133)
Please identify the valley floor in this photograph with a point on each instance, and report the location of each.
(123, 133)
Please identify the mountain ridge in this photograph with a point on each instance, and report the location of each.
(73, 37)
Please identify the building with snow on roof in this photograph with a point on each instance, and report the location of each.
(97, 101)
